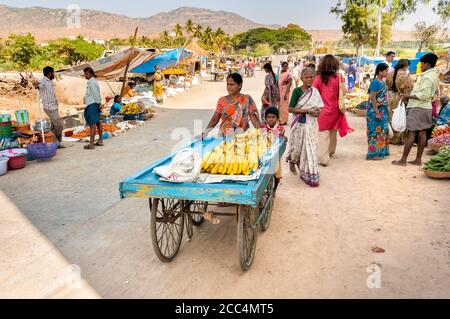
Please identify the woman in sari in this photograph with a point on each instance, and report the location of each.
(352, 72)
(377, 116)
(271, 95)
(234, 110)
(305, 104)
(399, 83)
(158, 85)
(285, 85)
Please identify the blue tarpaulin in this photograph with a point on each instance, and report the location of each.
(165, 60)
(375, 61)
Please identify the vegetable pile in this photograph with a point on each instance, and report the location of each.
(440, 162)
(441, 139)
(441, 130)
(111, 128)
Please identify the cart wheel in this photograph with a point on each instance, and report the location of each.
(268, 196)
(167, 226)
(247, 235)
(198, 206)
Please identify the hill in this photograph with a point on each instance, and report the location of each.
(48, 24)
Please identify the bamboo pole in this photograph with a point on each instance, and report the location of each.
(128, 64)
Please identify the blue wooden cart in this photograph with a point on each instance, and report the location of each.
(176, 206)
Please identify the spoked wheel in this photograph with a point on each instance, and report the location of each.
(267, 205)
(198, 207)
(247, 235)
(166, 226)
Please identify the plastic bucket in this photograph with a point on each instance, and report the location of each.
(4, 118)
(22, 117)
(49, 137)
(5, 130)
(17, 158)
(3, 165)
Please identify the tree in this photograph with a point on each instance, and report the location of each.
(263, 49)
(165, 37)
(359, 17)
(22, 49)
(443, 10)
(178, 29)
(425, 34)
(74, 52)
(208, 36)
(189, 27)
(198, 31)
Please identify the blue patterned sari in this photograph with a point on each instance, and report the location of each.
(378, 130)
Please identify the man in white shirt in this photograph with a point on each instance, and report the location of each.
(390, 57)
(50, 104)
(92, 102)
(297, 73)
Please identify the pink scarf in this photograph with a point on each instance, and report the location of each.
(344, 128)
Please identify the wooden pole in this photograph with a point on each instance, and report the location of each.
(128, 64)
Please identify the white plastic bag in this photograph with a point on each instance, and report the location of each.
(184, 168)
(399, 118)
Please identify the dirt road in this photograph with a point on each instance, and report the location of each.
(319, 244)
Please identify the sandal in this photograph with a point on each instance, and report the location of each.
(89, 147)
(98, 144)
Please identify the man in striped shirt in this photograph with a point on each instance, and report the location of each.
(49, 102)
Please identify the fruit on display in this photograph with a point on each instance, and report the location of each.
(239, 156)
(111, 128)
(441, 130)
(131, 109)
(440, 162)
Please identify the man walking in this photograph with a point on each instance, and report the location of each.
(390, 57)
(50, 104)
(92, 101)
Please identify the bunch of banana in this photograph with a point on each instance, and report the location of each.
(131, 108)
(239, 156)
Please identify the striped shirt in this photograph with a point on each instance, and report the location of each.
(47, 94)
(92, 92)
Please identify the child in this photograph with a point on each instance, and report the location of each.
(117, 106)
(272, 117)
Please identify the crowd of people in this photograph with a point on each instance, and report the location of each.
(313, 93)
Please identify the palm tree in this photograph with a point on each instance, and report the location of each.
(198, 31)
(208, 36)
(219, 39)
(189, 27)
(235, 41)
(165, 37)
(178, 29)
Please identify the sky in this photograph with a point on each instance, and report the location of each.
(309, 14)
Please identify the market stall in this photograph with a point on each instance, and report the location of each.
(182, 186)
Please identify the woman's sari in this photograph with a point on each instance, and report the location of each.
(378, 130)
(158, 86)
(285, 88)
(235, 113)
(351, 77)
(270, 94)
(403, 85)
(303, 142)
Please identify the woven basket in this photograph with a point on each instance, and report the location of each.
(440, 175)
(436, 147)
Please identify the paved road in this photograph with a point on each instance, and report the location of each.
(319, 244)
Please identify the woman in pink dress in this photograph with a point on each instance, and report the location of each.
(327, 82)
(285, 86)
